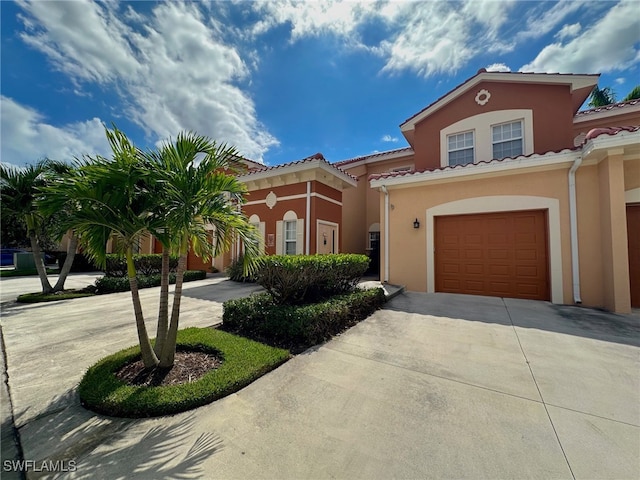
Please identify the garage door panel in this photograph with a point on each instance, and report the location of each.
(500, 254)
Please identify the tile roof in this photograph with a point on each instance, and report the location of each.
(596, 132)
(469, 166)
(373, 155)
(605, 108)
(309, 159)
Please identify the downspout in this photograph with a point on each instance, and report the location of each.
(307, 247)
(386, 233)
(573, 222)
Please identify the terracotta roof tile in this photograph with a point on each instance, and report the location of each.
(469, 166)
(316, 156)
(596, 132)
(373, 155)
(604, 108)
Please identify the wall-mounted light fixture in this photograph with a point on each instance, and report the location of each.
(416, 224)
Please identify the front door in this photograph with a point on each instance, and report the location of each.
(327, 241)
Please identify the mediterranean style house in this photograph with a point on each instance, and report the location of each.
(506, 189)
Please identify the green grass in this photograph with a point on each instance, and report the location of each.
(52, 297)
(25, 273)
(243, 362)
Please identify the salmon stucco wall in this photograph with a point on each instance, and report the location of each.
(552, 117)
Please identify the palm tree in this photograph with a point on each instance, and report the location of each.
(111, 201)
(200, 195)
(601, 97)
(633, 94)
(20, 189)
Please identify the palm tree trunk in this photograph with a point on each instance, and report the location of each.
(66, 267)
(163, 311)
(149, 357)
(169, 351)
(37, 255)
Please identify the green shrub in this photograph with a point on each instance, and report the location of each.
(81, 263)
(298, 279)
(121, 284)
(298, 327)
(243, 362)
(235, 271)
(146, 264)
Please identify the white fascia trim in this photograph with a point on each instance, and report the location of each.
(576, 81)
(502, 203)
(614, 112)
(378, 158)
(295, 197)
(519, 163)
(299, 167)
(604, 141)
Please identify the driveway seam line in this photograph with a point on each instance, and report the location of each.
(546, 409)
(14, 430)
(468, 384)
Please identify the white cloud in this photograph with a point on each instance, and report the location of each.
(27, 138)
(389, 138)
(611, 44)
(620, 80)
(171, 68)
(424, 37)
(568, 31)
(497, 67)
(541, 19)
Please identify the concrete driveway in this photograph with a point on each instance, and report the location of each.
(431, 386)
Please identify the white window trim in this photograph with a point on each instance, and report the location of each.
(482, 125)
(472, 147)
(521, 137)
(286, 240)
(260, 226)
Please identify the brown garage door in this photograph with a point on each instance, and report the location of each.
(497, 254)
(633, 232)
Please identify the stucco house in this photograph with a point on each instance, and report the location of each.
(505, 189)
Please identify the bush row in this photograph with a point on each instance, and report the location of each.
(121, 284)
(147, 264)
(298, 327)
(81, 262)
(298, 279)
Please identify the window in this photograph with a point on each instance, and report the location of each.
(507, 139)
(290, 232)
(460, 148)
(373, 241)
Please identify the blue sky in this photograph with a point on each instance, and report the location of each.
(280, 80)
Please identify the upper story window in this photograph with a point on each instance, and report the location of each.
(460, 148)
(507, 139)
(290, 234)
(485, 136)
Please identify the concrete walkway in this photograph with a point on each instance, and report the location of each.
(431, 386)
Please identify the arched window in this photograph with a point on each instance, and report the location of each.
(290, 234)
(260, 226)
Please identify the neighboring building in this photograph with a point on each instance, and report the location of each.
(505, 190)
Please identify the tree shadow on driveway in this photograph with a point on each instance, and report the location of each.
(566, 319)
(105, 447)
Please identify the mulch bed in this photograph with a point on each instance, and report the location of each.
(188, 367)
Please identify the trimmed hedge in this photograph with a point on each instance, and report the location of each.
(146, 264)
(244, 361)
(298, 279)
(298, 327)
(81, 263)
(121, 284)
